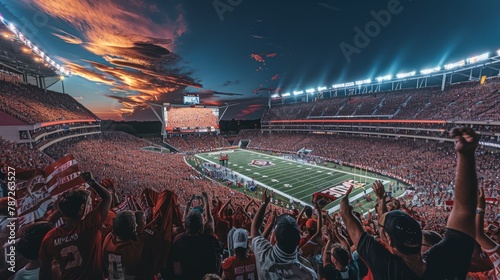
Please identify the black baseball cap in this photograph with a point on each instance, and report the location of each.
(287, 233)
(405, 232)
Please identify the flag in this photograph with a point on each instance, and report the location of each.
(166, 214)
(147, 202)
(32, 196)
(62, 175)
(36, 189)
(128, 204)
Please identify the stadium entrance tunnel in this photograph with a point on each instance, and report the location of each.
(244, 143)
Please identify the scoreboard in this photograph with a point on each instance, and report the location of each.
(190, 119)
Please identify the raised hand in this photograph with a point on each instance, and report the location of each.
(205, 196)
(378, 189)
(344, 203)
(266, 198)
(466, 140)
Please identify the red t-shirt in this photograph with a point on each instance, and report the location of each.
(132, 259)
(494, 255)
(77, 249)
(240, 269)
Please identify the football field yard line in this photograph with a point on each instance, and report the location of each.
(299, 177)
(267, 186)
(321, 167)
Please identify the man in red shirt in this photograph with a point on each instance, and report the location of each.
(242, 264)
(126, 253)
(76, 245)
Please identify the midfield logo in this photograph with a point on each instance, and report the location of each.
(261, 163)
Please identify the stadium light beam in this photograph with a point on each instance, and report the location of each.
(406, 75)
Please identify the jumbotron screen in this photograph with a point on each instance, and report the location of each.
(191, 119)
(191, 99)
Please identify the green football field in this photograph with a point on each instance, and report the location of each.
(298, 181)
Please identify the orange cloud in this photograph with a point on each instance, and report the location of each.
(138, 49)
(68, 38)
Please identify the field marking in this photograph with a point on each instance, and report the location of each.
(266, 186)
(319, 166)
(307, 185)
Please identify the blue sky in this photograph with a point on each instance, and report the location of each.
(124, 53)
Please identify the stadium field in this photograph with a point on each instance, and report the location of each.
(293, 180)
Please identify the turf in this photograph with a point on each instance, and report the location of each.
(297, 180)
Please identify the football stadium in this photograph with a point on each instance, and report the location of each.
(147, 140)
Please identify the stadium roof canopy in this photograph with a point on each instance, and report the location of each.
(19, 55)
(471, 69)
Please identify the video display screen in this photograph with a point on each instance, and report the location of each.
(191, 119)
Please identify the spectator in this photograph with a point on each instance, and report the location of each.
(195, 253)
(448, 259)
(280, 261)
(29, 245)
(340, 264)
(127, 253)
(242, 264)
(76, 245)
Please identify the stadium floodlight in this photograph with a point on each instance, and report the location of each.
(322, 88)
(384, 78)
(498, 52)
(454, 65)
(275, 95)
(311, 90)
(367, 81)
(430, 70)
(298, 92)
(478, 58)
(285, 94)
(339, 86)
(349, 84)
(406, 75)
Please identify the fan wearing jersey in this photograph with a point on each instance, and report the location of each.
(76, 245)
(126, 253)
(240, 266)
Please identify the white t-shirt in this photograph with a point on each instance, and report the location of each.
(274, 264)
(24, 274)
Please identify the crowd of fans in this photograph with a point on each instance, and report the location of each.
(223, 233)
(198, 143)
(191, 117)
(419, 162)
(32, 105)
(22, 155)
(200, 229)
(468, 101)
